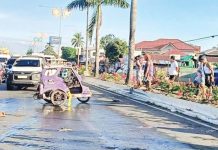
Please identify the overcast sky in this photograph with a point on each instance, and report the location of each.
(22, 20)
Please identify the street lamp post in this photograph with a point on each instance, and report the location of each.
(87, 39)
(61, 13)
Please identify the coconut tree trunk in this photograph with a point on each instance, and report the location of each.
(97, 44)
(133, 14)
(78, 56)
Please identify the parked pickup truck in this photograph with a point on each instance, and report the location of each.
(25, 72)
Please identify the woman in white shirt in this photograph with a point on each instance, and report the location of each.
(138, 67)
(174, 68)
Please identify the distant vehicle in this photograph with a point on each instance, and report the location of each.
(25, 72)
(4, 58)
(216, 76)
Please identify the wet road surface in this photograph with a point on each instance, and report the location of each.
(107, 122)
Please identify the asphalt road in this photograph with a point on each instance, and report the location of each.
(108, 122)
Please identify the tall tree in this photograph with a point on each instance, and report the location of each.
(116, 48)
(49, 50)
(78, 42)
(96, 19)
(133, 15)
(29, 51)
(68, 53)
(105, 40)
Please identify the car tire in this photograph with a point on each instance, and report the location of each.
(19, 87)
(9, 87)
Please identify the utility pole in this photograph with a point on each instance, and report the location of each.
(59, 34)
(61, 13)
(87, 40)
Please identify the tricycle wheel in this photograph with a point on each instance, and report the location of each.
(58, 97)
(83, 99)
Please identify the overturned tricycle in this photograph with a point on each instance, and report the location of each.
(58, 84)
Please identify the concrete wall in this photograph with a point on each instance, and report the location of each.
(92, 52)
(137, 53)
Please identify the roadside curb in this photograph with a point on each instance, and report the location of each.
(203, 112)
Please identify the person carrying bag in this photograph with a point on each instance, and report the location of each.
(208, 74)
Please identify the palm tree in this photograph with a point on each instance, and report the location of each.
(133, 14)
(96, 19)
(78, 42)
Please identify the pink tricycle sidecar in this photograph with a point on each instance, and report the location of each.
(57, 83)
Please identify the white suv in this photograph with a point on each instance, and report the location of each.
(25, 72)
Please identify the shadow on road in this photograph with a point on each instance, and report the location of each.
(4, 88)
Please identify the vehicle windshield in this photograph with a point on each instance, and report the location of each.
(27, 63)
(3, 59)
(11, 61)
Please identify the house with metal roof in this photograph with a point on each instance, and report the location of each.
(162, 46)
(162, 49)
(211, 54)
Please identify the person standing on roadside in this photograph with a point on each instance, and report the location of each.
(1, 66)
(148, 71)
(107, 64)
(138, 67)
(118, 64)
(207, 76)
(195, 59)
(1, 73)
(174, 69)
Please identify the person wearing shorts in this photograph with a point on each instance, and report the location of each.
(207, 75)
(174, 68)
